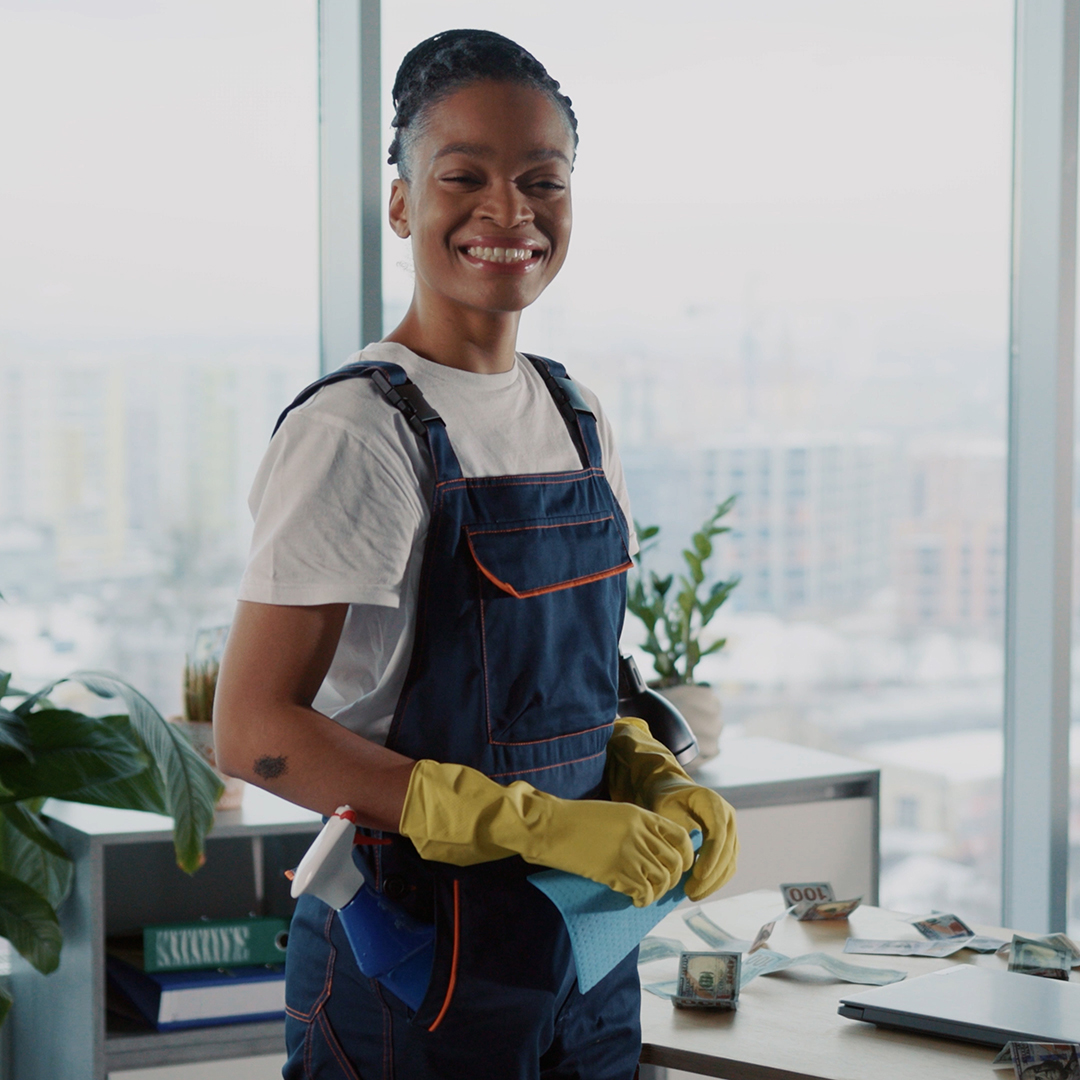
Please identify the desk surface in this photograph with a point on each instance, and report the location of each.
(787, 1026)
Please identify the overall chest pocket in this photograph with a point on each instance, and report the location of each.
(552, 594)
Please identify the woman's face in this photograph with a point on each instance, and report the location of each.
(487, 204)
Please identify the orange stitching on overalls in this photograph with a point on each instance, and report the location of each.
(453, 959)
(335, 1047)
(552, 738)
(541, 590)
(483, 658)
(544, 768)
(526, 528)
(526, 479)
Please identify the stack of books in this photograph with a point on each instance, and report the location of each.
(184, 975)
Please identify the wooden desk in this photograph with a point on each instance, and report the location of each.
(787, 1026)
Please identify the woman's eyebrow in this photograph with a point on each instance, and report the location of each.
(478, 150)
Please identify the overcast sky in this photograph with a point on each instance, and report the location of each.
(158, 167)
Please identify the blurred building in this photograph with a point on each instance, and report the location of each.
(810, 527)
(949, 545)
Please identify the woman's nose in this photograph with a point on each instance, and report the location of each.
(505, 205)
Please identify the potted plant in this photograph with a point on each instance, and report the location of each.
(675, 619)
(200, 684)
(133, 761)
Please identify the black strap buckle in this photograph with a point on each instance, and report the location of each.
(408, 400)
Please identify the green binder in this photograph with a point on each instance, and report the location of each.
(206, 944)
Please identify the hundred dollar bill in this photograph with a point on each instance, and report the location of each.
(1060, 941)
(806, 891)
(1040, 1061)
(708, 980)
(762, 935)
(706, 929)
(656, 948)
(1031, 956)
(767, 962)
(982, 944)
(825, 910)
(874, 947)
(938, 927)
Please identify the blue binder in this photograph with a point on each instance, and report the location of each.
(185, 999)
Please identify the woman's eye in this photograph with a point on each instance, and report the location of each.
(549, 185)
(460, 179)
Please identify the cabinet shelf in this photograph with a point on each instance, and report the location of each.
(138, 1048)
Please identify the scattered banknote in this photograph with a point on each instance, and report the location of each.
(708, 980)
(1035, 956)
(904, 947)
(1041, 1061)
(982, 944)
(825, 910)
(767, 962)
(706, 929)
(938, 927)
(656, 948)
(762, 936)
(807, 891)
(1060, 941)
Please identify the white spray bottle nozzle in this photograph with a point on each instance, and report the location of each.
(327, 869)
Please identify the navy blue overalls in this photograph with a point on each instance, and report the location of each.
(514, 671)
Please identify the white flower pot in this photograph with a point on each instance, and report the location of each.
(201, 736)
(700, 705)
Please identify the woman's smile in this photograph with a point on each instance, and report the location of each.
(502, 255)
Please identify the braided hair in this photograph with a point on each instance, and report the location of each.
(448, 61)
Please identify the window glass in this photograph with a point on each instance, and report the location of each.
(789, 281)
(158, 304)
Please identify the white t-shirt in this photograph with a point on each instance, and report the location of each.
(342, 501)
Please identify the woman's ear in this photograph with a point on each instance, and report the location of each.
(399, 210)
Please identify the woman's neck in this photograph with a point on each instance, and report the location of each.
(480, 341)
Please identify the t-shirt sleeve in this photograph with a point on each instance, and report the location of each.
(335, 519)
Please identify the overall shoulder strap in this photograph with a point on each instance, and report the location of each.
(405, 396)
(575, 410)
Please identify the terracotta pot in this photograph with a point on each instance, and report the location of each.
(201, 736)
(700, 705)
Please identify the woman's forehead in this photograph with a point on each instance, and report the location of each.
(491, 119)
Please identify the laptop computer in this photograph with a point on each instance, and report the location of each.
(974, 1004)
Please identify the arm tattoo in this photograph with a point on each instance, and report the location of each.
(270, 768)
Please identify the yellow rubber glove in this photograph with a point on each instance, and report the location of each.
(641, 770)
(457, 815)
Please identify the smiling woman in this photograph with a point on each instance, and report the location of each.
(429, 623)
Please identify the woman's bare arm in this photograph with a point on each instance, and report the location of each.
(267, 733)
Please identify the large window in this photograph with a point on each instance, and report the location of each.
(158, 305)
(789, 280)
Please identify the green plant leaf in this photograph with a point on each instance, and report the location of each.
(143, 791)
(697, 573)
(716, 646)
(703, 545)
(5, 682)
(13, 732)
(662, 584)
(646, 532)
(25, 821)
(71, 751)
(34, 864)
(191, 788)
(29, 922)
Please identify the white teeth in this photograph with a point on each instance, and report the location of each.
(500, 255)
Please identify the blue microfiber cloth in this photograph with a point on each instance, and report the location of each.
(604, 925)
